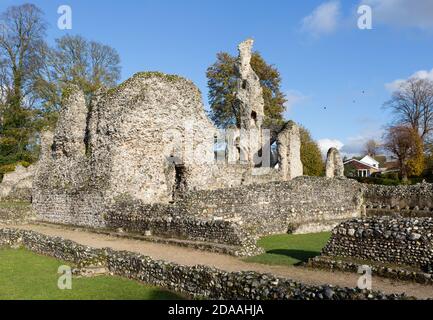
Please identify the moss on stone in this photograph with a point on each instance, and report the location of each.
(152, 74)
(147, 75)
(67, 92)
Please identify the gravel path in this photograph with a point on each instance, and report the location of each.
(188, 256)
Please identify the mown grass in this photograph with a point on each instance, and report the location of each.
(28, 276)
(289, 249)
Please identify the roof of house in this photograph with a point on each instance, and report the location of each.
(360, 164)
(368, 159)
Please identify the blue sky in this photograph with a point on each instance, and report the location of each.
(334, 74)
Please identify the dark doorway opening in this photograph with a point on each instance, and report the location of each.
(254, 118)
(180, 181)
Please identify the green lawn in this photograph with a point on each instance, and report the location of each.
(289, 249)
(28, 276)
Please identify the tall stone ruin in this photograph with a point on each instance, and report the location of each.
(141, 158)
(334, 164)
(289, 152)
(250, 102)
(149, 140)
(70, 132)
(122, 147)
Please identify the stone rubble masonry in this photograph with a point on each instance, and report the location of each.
(250, 102)
(124, 150)
(119, 149)
(276, 207)
(170, 222)
(249, 92)
(384, 271)
(396, 241)
(127, 145)
(239, 216)
(192, 281)
(47, 138)
(148, 143)
(70, 131)
(289, 152)
(15, 212)
(334, 164)
(404, 201)
(130, 142)
(234, 216)
(17, 185)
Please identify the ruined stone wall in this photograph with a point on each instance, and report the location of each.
(406, 201)
(384, 270)
(169, 221)
(235, 216)
(14, 212)
(289, 152)
(334, 164)
(277, 207)
(76, 209)
(149, 138)
(193, 281)
(150, 119)
(250, 103)
(239, 216)
(401, 241)
(126, 144)
(221, 176)
(17, 185)
(69, 184)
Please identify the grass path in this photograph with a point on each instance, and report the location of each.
(27, 276)
(189, 256)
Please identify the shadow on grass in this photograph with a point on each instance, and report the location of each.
(165, 295)
(301, 255)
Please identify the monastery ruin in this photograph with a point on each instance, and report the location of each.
(144, 159)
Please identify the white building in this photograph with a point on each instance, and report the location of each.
(370, 161)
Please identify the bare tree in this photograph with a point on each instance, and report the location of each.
(412, 105)
(405, 144)
(4, 83)
(372, 148)
(88, 64)
(22, 32)
(104, 64)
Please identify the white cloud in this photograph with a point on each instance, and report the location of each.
(353, 146)
(422, 74)
(402, 13)
(293, 98)
(326, 144)
(323, 20)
